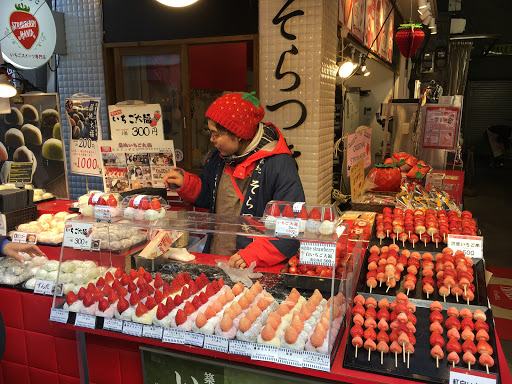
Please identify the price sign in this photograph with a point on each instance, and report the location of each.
(59, 315)
(287, 227)
(24, 237)
(77, 235)
(152, 332)
(297, 207)
(237, 347)
(318, 253)
(136, 122)
(216, 343)
(102, 213)
(85, 321)
(46, 287)
(132, 329)
(173, 335)
(317, 361)
(195, 339)
(472, 246)
(110, 324)
(264, 352)
(459, 376)
(290, 357)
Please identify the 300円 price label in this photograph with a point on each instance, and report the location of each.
(78, 235)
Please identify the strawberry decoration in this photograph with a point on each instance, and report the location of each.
(122, 291)
(181, 279)
(88, 300)
(274, 210)
(103, 305)
(118, 273)
(24, 25)
(221, 282)
(409, 38)
(144, 204)
(166, 289)
(122, 305)
(178, 300)
(169, 304)
(303, 214)
(81, 293)
(113, 297)
(155, 204)
(109, 277)
(158, 281)
(141, 310)
(196, 302)
(71, 297)
(185, 293)
(315, 214)
(287, 212)
(189, 308)
(130, 204)
(159, 296)
(175, 286)
(107, 289)
(387, 177)
(187, 278)
(125, 279)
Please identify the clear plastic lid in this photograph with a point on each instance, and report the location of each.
(144, 207)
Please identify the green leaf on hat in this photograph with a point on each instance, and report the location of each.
(251, 97)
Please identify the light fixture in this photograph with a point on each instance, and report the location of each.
(177, 3)
(426, 8)
(347, 69)
(363, 63)
(422, 4)
(6, 88)
(366, 73)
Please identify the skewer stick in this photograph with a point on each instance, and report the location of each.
(425, 241)
(370, 289)
(437, 361)
(394, 240)
(465, 293)
(444, 236)
(407, 291)
(369, 351)
(413, 243)
(444, 298)
(403, 243)
(468, 300)
(432, 238)
(457, 297)
(380, 241)
(356, 351)
(453, 363)
(469, 366)
(387, 289)
(396, 359)
(437, 244)
(427, 294)
(403, 349)
(380, 283)
(408, 358)
(487, 368)
(409, 233)
(382, 358)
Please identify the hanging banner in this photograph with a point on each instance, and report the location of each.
(28, 33)
(136, 122)
(440, 127)
(83, 118)
(370, 31)
(359, 147)
(345, 13)
(358, 15)
(128, 164)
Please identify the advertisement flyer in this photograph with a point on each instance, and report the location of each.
(440, 128)
(135, 122)
(83, 117)
(370, 31)
(358, 147)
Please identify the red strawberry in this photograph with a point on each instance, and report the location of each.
(153, 123)
(221, 282)
(91, 200)
(196, 302)
(204, 278)
(199, 283)
(118, 273)
(170, 304)
(175, 286)
(71, 297)
(98, 296)
(103, 305)
(150, 303)
(159, 297)
(142, 292)
(100, 283)
(178, 300)
(91, 288)
(134, 298)
(155, 204)
(149, 289)
(287, 211)
(132, 287)
(161, 311)
(116, 284)
(140, 282)
(192, 287)
(133, 275)
(122, 305)
(144, 204)
(158, 281)
(166, 290)
(88, 299)
(408, 40)
(203, 297)
(122, 291)
(210, 291)
(141, 309)
(274, 210)
(328, 214)
(189, 308)
(141, 271)
(107, 289)
(157, 115)
(112, 298)
(185, 293)
(130, 204)
(125, 279)
(181, 279)
(215, 285)
(147, 276)
(303, 214)
(109, 277)
(453, 346)
(187, 278)
(112, 201)
(181, 317)
(315, 214)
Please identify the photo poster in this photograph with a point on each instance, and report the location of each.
(136, 122)
(359, 147)
(440, 127)
(358, 16)
(84, 123)
(129, 165)
(31, 133)
(370, 32)
(345, 13)
(379, 22)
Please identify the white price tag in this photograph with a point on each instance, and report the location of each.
(318, 253)
(59, 315)
(3, 225)
(45, 287)
(24, 237)
(102, 213)
(152, 331)
(290, 357)
(458, 375)
(195, 339)
(110, 324)
(264, 352)
(85, 321)
(472, 246)
(173, 335)
(132, 329)
(78, 235)
(316, 361)
(287, 227)
(216, 343)
(237, 347)
(297, 207)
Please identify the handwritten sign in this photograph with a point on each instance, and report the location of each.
(132, 122)
(45, 287)
(77, 235)
(287, 227)
(318, 253)
(356, 179)
(440, 127)
(359, 148)
(472, 246)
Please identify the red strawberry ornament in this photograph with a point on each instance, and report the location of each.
(409, 38)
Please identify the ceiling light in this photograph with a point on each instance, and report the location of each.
(363, 63)
(367, 73)
(6, 88)
(176, 3)
(347, 69)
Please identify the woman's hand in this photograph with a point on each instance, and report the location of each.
(236, 261)
(12, 250)
(174, 179)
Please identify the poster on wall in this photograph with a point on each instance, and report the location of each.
(390, 25)
(379, 22)
(345, 13)
(358, 12)
(359, 148)
(82, 113)
(31, 133)
(440, 127)
(370, 32)
(383, 41)
(128, 164)
(135, 122)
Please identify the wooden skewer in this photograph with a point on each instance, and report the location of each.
(409, 233)
(394, 240)
(380, 241)
(396, 359)
(427, 295)
(382, 358)
(369, 351)
(468, 300)
(408, 358)
(457, 297)
(437, 361)
(453, 363)
(469, 366)
(437, 244)
(370, 289)
(407, 291)
(432, 238)
(403, 349)
(413, 243)
(403, 243)
(380, 283)
(487, 368)
(465, 293)
(387, 289)
(425, 241)
(444, 298)
(356, 352)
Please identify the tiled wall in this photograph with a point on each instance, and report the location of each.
(81, 70)
(316, 42)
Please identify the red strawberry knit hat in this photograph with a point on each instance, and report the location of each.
(238, 112)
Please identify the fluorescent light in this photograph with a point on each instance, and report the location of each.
(6, 88)
(176, 3)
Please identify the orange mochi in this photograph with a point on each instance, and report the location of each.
(283, 309)
(237, 289)
(268, 333)
(249, 296)
(210, 312)
(244, 324)
(235, 307)
(201, 320)
(243, 302)
(226, 323)
(229, 295)
(263, 303)
(290, 335)
(317, 339)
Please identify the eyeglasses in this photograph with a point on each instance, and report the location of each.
(215, 135)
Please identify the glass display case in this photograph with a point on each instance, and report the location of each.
(183, 296)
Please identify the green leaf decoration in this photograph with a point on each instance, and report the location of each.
(419, 166)
(410, 25)
(251, 97)
(419, 175)
(401, 162)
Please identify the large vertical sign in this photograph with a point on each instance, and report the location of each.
(27, 32)
(83, 118)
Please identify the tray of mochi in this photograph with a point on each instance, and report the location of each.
(12, 272)
(118, 239)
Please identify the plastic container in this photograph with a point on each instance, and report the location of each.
(88, 203)
(144, 207)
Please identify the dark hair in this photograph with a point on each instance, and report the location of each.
(222, 129)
